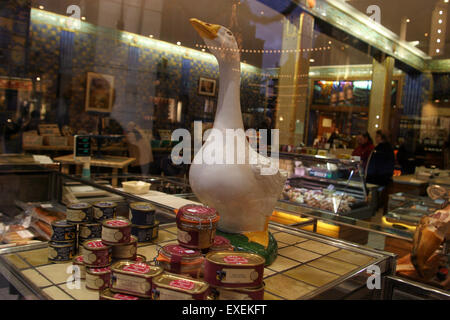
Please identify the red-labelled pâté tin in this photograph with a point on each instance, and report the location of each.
(177, 287)
(134, 278)
(96, 253)
(233, 269)
(197, 226)
(116, 231)
(98, 278)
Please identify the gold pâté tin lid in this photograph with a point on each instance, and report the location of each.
(142, 269)
(116, 223)
(233, 258)
(107, 294)
(94, 244)
(180, 283)
(142, 206)
(105, 204)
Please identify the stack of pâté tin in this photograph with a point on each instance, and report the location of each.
(144, 224)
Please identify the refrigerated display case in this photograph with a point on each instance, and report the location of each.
(310, 266)
(328, 185)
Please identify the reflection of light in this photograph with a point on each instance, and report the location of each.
(9, 120)
(408, 20)
(376, 126)
(440, 21)
(437, 50)
(179, 43)
(38, 79)
(41, 7)
(438, 40)
(378, 117)
(281, 119)
(439, 30)
(441, 12)
(151, 36)
(83, 18)
(312, 60)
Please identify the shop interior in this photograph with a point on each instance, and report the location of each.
(91, 93)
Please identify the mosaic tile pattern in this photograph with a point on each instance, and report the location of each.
(301, 267)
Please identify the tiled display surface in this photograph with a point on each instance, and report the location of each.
(302, 267)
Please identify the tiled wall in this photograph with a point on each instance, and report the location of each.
(62, 57)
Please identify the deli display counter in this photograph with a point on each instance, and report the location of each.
(308, 266)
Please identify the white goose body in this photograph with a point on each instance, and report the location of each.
(244, 198)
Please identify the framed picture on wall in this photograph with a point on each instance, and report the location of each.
(207, 87)
(99, 92)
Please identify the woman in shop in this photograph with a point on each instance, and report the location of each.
(139, 148)
(364, 148)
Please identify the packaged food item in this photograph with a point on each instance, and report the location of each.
(135, 278)
(145, 233)
(63, 231)
(197, 226)
(61, 251)
(116, 231)
(125, 251)
(79, 212)
(234, 269)
(17, 234)
(96, 253)
(107, 294)
(79, 263)
(104, 210)
(221, 244)
(180, 260)
(90, 231)
(142, 213)
(169, 286)
(222, 293)
(98, 278)
(46, 215)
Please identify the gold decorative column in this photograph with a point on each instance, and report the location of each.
(293, 78)
(380, 96)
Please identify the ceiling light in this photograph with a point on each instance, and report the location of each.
(426, 34)
(438, 50)
(440, 21)
(439, 30)
(83, 18)
(179, 43)
(408, 20)
(41, 7)
(312, 60)
(438, 40)
(441, 12)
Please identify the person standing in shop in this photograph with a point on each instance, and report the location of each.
(139, 148)
(382, 161)
(364, 148)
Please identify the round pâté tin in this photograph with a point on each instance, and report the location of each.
(221, 244)
(142, 213)
(63, 231)
(79, 267)
(221, 293)
(197, 226)
(79, 212)
(96, 253)
(104, 210)
(107, 294)
(234, 269)
(135, 278)
(180, 260)
(125, 251)
(90, 231)
(116, 231)
(145, 233)
(98, 278)
(169, 286)
(61, 251)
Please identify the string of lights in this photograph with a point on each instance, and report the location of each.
(270, 51)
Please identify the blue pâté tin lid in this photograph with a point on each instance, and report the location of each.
(105, 204)
(62, 224)
(79, 205)
(142, 206)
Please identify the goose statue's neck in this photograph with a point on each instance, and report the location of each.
(228, 114)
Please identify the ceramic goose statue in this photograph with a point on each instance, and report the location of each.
(244, 198)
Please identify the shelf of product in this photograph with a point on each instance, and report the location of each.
(329, 185)
(409, 209)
